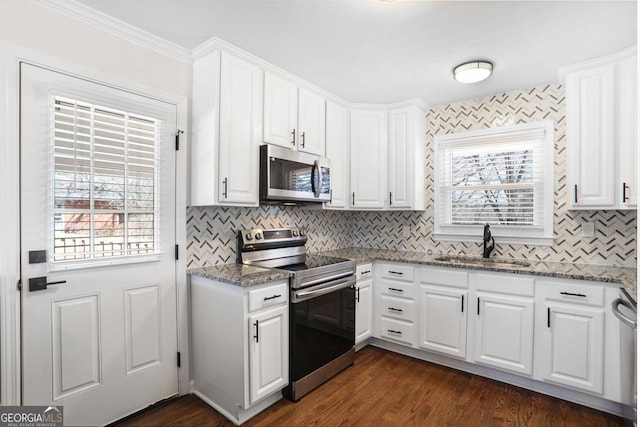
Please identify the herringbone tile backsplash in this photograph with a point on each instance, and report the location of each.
(211, 231)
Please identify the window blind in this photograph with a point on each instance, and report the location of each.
(104, 181)
(494, 176)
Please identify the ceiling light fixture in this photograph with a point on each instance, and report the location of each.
(472, 72)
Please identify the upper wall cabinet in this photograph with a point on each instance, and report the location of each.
(338, 153)
(601, 132)
(406, 162)
(226, 131)
(293, 117)
(368, 159)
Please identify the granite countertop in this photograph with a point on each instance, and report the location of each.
(245, 275)
(624, 276)
(239, 274)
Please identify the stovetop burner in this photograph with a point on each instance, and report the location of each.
(313, 261)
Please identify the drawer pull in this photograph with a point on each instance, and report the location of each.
(272, 297)
(365, 272)
(400, 273)
(571, 294)
(397, 310)
(462, 305)
(391, 331)
(396, 289)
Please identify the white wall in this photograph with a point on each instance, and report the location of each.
(29, 24)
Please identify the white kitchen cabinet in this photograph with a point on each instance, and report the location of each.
(226, 131)
(406, 158)
(240, 345)
(503, 321)
(602, 132)
(394, 303)
(293, 117)
(443, 311)
(268, 354)
(572, 335)
(368, 148)
(337, 151)
(364, 301)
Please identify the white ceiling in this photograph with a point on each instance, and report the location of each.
(375, 52)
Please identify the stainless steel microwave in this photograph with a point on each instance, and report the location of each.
(289, 176)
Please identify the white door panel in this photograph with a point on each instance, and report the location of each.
(102, 343)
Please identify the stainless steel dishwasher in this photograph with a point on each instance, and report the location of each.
(624, 308)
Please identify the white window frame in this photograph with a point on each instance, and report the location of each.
(539, 234)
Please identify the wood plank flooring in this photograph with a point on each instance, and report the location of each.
(388, 389)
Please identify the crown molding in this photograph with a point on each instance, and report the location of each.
(596, 62)
(105, 22)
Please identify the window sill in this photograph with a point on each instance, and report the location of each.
(474, 238)
(107, 262)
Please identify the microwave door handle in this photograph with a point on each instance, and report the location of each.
(316, 189)
(313, 179)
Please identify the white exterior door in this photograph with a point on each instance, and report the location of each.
(98, 219)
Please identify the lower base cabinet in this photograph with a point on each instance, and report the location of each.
(443, 320)
(240, 345)
(364, 302)
(573, 336)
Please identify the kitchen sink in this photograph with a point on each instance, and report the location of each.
(489, 262)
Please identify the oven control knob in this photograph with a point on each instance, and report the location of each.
(295, 233)
(249, 236)
(302, 232)
(258, 236)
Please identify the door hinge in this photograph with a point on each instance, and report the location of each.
(178, 139)
(178, 359)
(177, 252)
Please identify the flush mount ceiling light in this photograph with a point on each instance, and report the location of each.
(472, 72)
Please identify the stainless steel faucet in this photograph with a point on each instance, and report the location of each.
(486, 250)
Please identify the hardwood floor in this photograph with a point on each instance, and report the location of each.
(388, 389)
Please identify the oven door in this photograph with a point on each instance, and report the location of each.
(322, 325)
(288, 175)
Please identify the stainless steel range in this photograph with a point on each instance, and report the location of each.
(322, 309)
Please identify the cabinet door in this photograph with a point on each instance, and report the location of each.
(280, 111)
(573, 346)
(401, 180)
(311, 121)
(504, 333)
(627, 132)
(268, 352)
(364, 308)
(337, 150)
(240, 134)
(368, 159)
(443, 321)
(591, 137)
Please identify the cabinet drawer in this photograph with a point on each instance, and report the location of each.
(396, 307)
(573, 293)
(444, 277)
(396, 289)
(397, 272)
(364, 271)
(268, 297)
(510, 284)
(396, 330)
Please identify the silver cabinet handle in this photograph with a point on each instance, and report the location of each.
(225, 183)
(624, 319)
(293, 134)
(302, 135)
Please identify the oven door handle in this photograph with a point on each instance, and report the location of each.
(325, 288)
